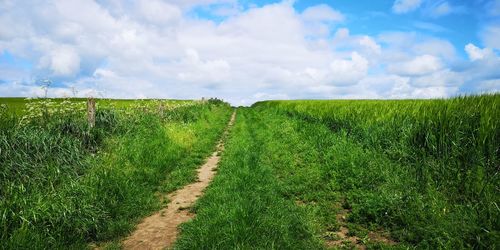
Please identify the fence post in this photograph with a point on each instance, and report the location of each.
(91, 112)
(161, 109)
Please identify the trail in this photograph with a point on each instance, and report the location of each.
(159, 230)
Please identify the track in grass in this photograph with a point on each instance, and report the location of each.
(160, 229)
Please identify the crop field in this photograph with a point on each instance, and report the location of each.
(19, 105)
(304, 174)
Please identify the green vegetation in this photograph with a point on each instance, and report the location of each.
(19, 105)
(405, 173)
(243, 207)
(424, 171)
(63, 185)
(427, 170)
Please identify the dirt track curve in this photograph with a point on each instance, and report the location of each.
(159, 230)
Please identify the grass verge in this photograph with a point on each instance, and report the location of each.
(63, 186)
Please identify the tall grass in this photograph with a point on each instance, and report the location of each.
(243, 207)
(446, 192)
(63, 185)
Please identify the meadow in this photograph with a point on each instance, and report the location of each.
(391, 174)
(304, 174)
(64, 185)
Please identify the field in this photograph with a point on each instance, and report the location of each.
(63, 185)
(396, 174)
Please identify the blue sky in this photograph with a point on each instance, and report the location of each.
(245, 51)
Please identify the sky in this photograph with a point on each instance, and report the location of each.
(244, 51)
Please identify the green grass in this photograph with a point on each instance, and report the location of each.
(424, 171)
(243, 207)
(427, 170)
(18, 106)
(63, 185)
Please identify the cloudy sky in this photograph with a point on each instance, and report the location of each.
(244, 51)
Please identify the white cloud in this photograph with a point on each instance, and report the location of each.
(322, 12)
(227, 10)
(318, 20)
(489, 86)
(429, 26)
(62, 61)
(348, 72)
(159, 12)
(369, 43)
(401, 47)
(476, 53)
(436, 47)
(405, 6)
(208, 71)
(421, 65)
(441, 9)
(443, 78)
(158, 49)
(341, 33)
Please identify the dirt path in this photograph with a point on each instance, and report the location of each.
(159, 230)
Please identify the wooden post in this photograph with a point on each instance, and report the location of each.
(91, 112)
(161, 109)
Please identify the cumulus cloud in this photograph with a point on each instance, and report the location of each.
(62, 61)
(160, 49)
(342, 33)
(418, 66)
(476, 53)
(207, 71)
(159, 12)
(405, 6)
(322, 12)
(363, 44)
(348, 71)
(369, 43)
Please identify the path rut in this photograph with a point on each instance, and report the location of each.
(159, 230)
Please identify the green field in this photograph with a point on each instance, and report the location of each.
(18, 104)
(63, 185)
(391, 174)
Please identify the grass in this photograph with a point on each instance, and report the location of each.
(423, 172)
(426, 170)
(63, 185)
(243, 208)
(18, 105)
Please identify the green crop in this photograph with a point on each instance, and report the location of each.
(423, 172)
(436, 183)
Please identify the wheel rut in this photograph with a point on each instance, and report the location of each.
(159, 230)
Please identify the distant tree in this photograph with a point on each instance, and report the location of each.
(216, 101)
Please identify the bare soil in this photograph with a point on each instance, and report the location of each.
(344, 239)
(343, 234)
(159, 230)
